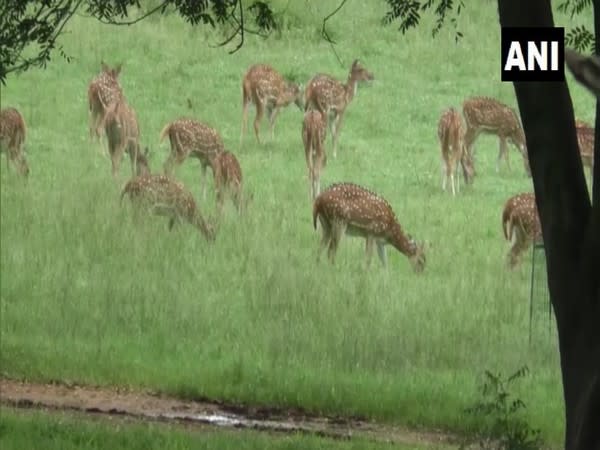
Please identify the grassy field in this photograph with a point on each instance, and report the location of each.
(30, 430)
(87, 296)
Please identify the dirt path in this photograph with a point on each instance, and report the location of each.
(151, 406)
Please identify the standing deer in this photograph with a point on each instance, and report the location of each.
(489, 116)
(451, 136)
(331, 97)
(123, 135)
(164, 196)
(314, 131)
(228, 178)
(521, 225)
(103, 92)
(346, 208)
(266, 89)
(13, 133)
(585, 139)
(189, 137)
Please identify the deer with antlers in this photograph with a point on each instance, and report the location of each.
(228, 179)
(103, 92)
(521, 225)
(190, 138)
(331, 97)
(451, 137)
(314, 131)
(268, 90)
(489, 116)
(346, 208)
(123, 135)
(13, 133)
(163, 196)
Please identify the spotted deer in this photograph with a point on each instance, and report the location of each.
(164, 196)
(267, 89)
(451, 137)
(314, 131)
(103, 92)
(228, 178)
(521, 225)
(585, 139)
(346, 208)
(489, 116)
(190, 138)
(331, 97)
(123, 135)
(13, 133)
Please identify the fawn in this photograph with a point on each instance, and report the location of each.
(521, 225)
(266, 88)
(103, 91)
(188, 137)
(228, 177)
(164, 196)
(451, 137)
(331, 97)
(489, 116)
(314, 131)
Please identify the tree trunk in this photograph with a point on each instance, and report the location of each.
(570, 227)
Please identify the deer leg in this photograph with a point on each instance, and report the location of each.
(203, 180)
(338, 230)
(325, 238)
(503, 153)
(171, 223)
(369, 244)
(272, 116)
(452, 183)
(259, 114)
(245, 104)
(381, 253)
(469, 139)
(338, 126)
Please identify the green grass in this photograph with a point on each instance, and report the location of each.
(33, 430)
(88, 296)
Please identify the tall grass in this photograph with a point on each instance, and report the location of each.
(89, 295)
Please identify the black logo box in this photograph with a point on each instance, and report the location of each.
(536, 35)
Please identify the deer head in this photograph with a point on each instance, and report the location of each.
(417, 258)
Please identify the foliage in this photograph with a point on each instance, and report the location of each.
(580, 37)
(26, 23)
(507, 430)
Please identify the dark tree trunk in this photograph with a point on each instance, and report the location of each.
(570, 227)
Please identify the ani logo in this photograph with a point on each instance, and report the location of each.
(533, 54)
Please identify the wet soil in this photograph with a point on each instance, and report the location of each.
(144, 405)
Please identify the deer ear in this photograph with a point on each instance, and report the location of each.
(355, 63)
(118, 69)
(104, 66)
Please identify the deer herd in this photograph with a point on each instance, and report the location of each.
(342, 208)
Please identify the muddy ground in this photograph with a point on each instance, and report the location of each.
(150, 406)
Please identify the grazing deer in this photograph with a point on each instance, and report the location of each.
(332, 97)
(13, 132)
(228, 177)
(489, 116)
(346, 208)
(103, 92)
(164, 196)
(521, 225)
(189, 137)
(266, 89)
(451, 136)
(585, 139)
(314, 131)
(123, 135)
